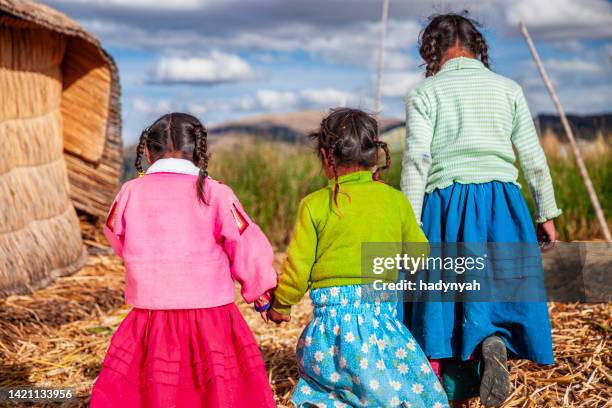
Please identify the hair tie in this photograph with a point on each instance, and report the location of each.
(204, 172)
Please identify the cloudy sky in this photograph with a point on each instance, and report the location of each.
(222, 59)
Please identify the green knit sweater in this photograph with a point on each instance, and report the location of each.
(325, 249)
(464, 125)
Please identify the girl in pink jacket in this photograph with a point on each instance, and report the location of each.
(184, 239)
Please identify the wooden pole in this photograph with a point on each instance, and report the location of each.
(570, 135)
(381, 54)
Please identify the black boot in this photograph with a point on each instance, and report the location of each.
(495, 382)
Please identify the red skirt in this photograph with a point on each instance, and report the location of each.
(183, 358)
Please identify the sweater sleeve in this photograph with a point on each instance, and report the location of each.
(114, 227)
(417, 153)
(250, 253)
(533, 161)
(301, 254)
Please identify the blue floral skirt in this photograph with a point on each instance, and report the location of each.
(356, 353)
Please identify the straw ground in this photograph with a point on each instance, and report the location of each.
(57, 337)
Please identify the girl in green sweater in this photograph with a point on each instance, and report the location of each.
(354, 352)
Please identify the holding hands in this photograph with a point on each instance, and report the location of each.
(263, 306)
(277, 317)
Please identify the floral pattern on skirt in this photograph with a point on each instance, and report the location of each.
(356, 353)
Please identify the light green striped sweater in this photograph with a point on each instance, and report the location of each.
(463, 125)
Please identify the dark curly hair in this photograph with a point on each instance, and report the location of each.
(445, 31)
(177, 135)
(349, 137)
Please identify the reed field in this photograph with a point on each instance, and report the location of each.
(271, 177)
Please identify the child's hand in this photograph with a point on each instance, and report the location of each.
(547, 235)
(277, 317)
(262, 305)
(264, 316)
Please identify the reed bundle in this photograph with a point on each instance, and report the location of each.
(89, 104)
(61, 150)
(39, 232)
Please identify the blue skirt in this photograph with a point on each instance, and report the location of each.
(355, 353)
(487, 212)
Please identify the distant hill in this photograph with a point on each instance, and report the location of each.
(294, 126)
(289, 127)
(587, 127)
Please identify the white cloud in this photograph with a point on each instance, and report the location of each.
(216, 68)
(396, 59)
(262, 100)
(358, 43)
(342, 33)
(574, 65)
(151, 108)
(198, 109)
(142, 4)
(269, 100)
(325, 97)
(350, 44)
(562, 18)
(397, 84)
(572, 45)
(533, 81)
(565, 73)
(350, 28)
(575, 99)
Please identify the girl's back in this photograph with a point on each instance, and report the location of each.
(463, 126)
(470, 114)
(175, 249)
(164, 221)
(368, 211)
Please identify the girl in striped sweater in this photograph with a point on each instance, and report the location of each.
(464, 125)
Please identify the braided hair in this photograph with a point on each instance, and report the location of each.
(349, 137)
(448, 30)
(177, 135)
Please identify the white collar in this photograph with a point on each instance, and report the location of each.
(172, 165)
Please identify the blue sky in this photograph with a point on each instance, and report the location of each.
(224, 59)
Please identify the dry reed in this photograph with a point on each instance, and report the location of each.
(60, 122)
(39, 232)
(58, 337)
(49, 65)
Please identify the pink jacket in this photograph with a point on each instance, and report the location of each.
(179, 253)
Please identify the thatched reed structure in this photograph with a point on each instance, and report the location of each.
(61, 141)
